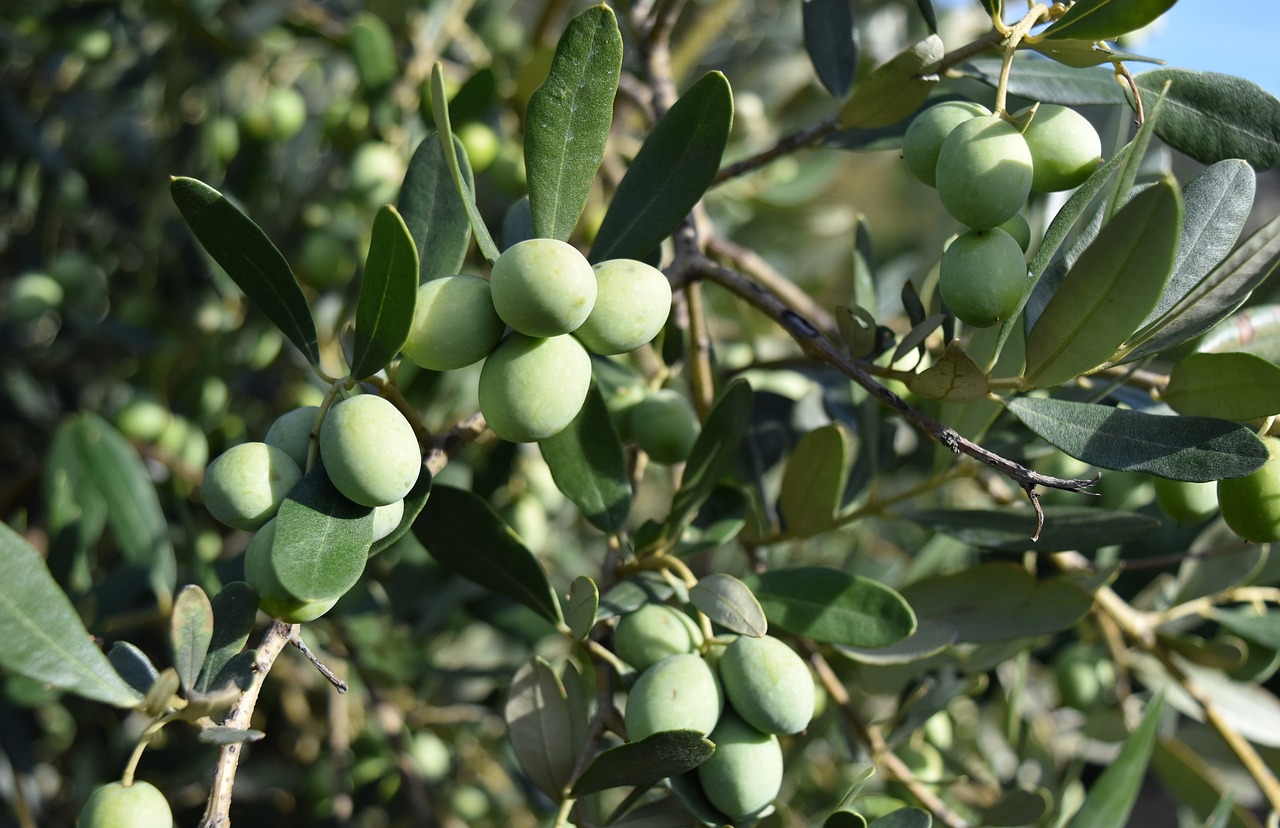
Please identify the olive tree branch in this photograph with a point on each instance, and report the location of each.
(810, 136)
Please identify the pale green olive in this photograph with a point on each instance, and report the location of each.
(1065, 148)
(633, 300)
(543, 287)
(923, 139)
(1251, 504)
(767, 684)
(454, 324)
(982, 276)
(244, 486)
(653, 632)
(370, 451)
(291, 433)
(744, 775)
(531, 388)
(984, 172)
(116, 805)
(680, 692)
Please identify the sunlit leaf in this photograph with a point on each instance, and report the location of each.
(643, 762)
(321, 540)
(831, 605)
(388, 294)
(1065, 527)
(728, 602)
(1231, 386)
(1212, 117)
(954, 377)
(813, 481)
(190, 632)
(895, 89)
(455, 158)
(1106, 19)
(1048, 81)
(1112, 797)
(1263, 628)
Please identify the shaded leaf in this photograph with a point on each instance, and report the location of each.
(904, 818)
(538, 722)
(238, 671)
(1106, 19)
(895, 89)
(388, 293)
(1231, 386)
(433, 211)
(813, 481)
(955, 377)
(220, 735)
(413, 503)
(133, 666)
(190, 632)
(928, 639)
(200, 704)
(829, 40)
(374, 51)
(1212, 117)
(640, 763)
(235, 609)
(713, 453)
(632, 593)
(845, 819)
(517, 223)
(1010, 529)
(580, 610)
(1263, 628)
(1251, 710)
(250, 259)
(455, 158)
(1048, 81)
(159, 697)
(1187, 775)
(1111, 799)
(728, 602)
(1018, 807)
(589, 466)
(321, 540)
(830, 605)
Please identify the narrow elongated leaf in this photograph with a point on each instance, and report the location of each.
(829, 40)
(674, 167)
(413, 503)
(911, 817)
(1065, 527)
(455, 158)
(433, 211)
(244, 251)
(1198, 449)
(1193, 780)
(538, 721)
(1111, 799)
(833, 606)
(1106, 19)
(1112, 287)
(1049, 81)
(235, 609)
(567, 122)
(712, 454)
(729, 602)
(388, 293)
(321, 540)
(588, 464)
(1263, 628)
(468, 537)
(813, 482)
(374, 51)
(895, 89)
(44, 637)
(641, 763)
(133, 666)
(580, 609)
(1212, 117)
(190, 632)
(1086, 53)
(1231, 386)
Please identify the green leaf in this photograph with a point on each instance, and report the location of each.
(220, 735)
(1263, 628)
(44, 637)
(455, 158)
(388, 294)
(467, 536)
(133, 666)
(517, 224)
(1112, 287)
(1112, 797)
(955, 377)
(895, 89)
(1212, 117)
(538, 722)
(322, 540)
(1017, 807)
(1236, 387)
(1048, 80)
(632, 593)
(235, 609)
(830, 605)
(158, 699)
(432, 210)
(911, 817)
(641, 763)
(589, 466)
(929, 639)
(829, 40)
(580, 609)
(413, 503)
(568, 119)
(1105, 19)
(1198, 449)
(813, 481)
(671, 172)
(190, 632)
(1086, 53)
(729, 602)
(76, 511)
(249, 257)
(1191, 779)
(712, 454)
(1010, 529)
(374, 51)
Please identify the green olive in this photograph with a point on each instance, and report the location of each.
(768, 684)
(982, 276)
(924, 137)
(744, 775)
(244, 486)
(653, 632)
(680, 692)
(1186, 502)
(1251, 504)
(370, 451)
(543, 287)
(665, 426)
(273, 598)
(1065, 148)
(291, 433)
(531, 388)
(984, 172)
(454, 324)
(632, 304)
(116, 805)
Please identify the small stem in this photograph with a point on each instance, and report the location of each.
(562, 817)
(808, 137)
(702, 383)
(1036, 13)
(144, 741)
(296, 640)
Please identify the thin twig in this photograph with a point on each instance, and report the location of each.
(296, 641)
(808, 137)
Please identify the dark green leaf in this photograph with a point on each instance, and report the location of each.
(580, 610)
(1198, 449)
(1010, 529)
(1049, 81)
(468, 537)
(929, 15)
(374, 51)
(630, 594)
(1231, 386)
(845, 819)
(190, 632)
(44, 637)
(829, 40)
(1212, 117)
(133, 666)
(729, 602)
(235, 609)
(517, 224)
(1105, 19)
(634, 764)
(1112, 797)
(239, 671)
(568, 119)
(895, 89)
(813, 481)
(455, 158)
(928, 639)
(720, 518)
(249, 257)
(904, 818)
(668, 812)
(433, 211)
(1018, 807)
(76, 511)
(219, 735)
(538, 722)
(1186, 774)
(1263, 628)
(321, 540)
(588, 464)
(830, 605)
(413, 503)
(388, 293)
(675, 166)
(713, 453)
(1112, 287)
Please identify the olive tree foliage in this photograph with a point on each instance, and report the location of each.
(996, 552)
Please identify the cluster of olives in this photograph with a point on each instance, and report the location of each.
(116, 804)
(756, 689)
(558, 306)
(367, 450)
(984, 167)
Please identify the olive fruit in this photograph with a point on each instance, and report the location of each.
(1186, 502)
(116, 805)
(1251, 504)
(370, 451)
(1019, 229)
(454, 324)
(243, 486)
(377, 171)
(543, 287)
(1079, 681)
(291, 433)
(633, 300)
(680, 692)
(767, 684)
(652, 633)
(984, 172)
(273, 598)
(531, 388)
(1065, 148)
(924, 137)
(665, 426)
(143, 419)
(386, 519)
(982, 276)
(481, 143)
(744, 775)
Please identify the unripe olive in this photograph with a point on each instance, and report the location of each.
(543, 287)
(115, 805)
(1019, 229)
(768, 684)
(377, 171)
(370, 451)
(1186, 502)
(291, 433)
(1065, 148)
(1079, 683)
(454, 324)
(143, 419)
(982, 276)
(678, 693)
(665, 426)
(924, 137)
(244, 486)
(273, 598)
(325, 261)
(531, 388)
(633, 300)
(1251, 504)
(481, 143)
(287, 112)
(386, 519)
(653, 632)
(31, 295)
(744, 775)
(984, 172)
